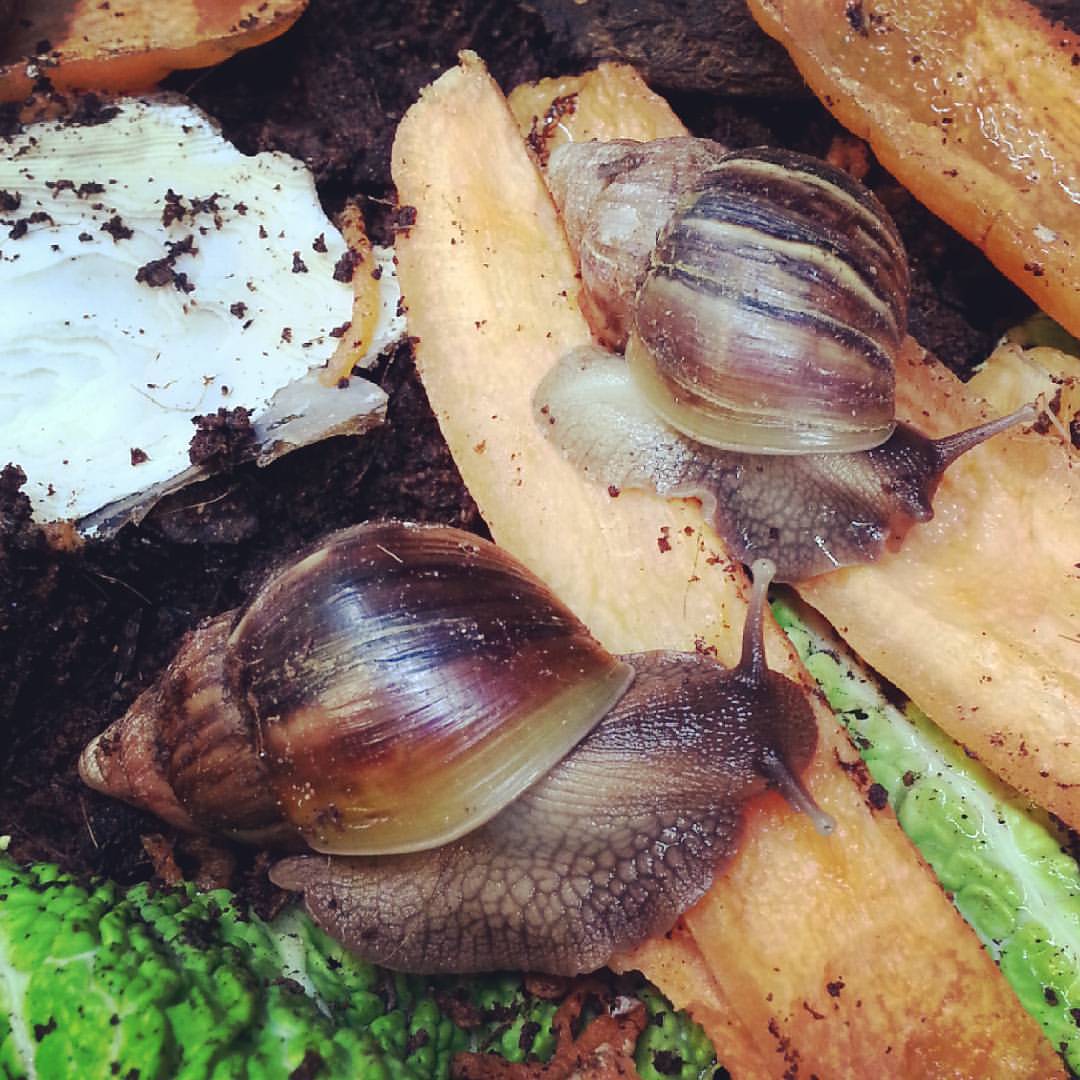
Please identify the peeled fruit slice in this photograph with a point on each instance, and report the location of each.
(130, 44)
(973, 105)
(912, 991)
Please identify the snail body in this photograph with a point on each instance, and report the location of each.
(764, 320)
(259, 730)
(809, 514)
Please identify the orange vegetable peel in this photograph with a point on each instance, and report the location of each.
(129, 45)
(973, 105)
(975, 618)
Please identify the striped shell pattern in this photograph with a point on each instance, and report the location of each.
(774, 305)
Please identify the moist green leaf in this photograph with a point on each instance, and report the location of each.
(96, 981)
(1003, 860)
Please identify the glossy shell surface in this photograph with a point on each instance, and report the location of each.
(407, 682)
(614, 197)
(773, 310)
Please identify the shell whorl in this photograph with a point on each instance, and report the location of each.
(614, 197)
(389, 690)
(773, 308)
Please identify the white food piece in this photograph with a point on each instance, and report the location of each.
(151, 273)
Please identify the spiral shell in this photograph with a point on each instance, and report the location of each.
(614, 197)
(773, 310)
(391, 690)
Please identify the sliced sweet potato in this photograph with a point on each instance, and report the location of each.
(830, 956)
(976, 618)
(130, 44)
(675, 963)
(1014, 375)
(974, 105)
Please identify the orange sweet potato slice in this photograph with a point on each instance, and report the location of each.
(976, 617)
(490, 287)
(129, 45)
(974, 105)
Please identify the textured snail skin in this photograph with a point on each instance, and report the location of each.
(809, 513)
(609, 848)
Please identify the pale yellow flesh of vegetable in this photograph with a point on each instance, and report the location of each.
(491, 291)
(612, 98)
(977, 617)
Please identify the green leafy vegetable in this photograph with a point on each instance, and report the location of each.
(1001, 858)
(1040, 329)
(671, 1048)
(96, 981)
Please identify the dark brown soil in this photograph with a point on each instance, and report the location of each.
(83, 631)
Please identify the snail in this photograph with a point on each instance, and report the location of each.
(494, 790)
(761, 297)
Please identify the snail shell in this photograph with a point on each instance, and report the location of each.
(774, 309)
(388, 691)
(373, 692)
(614, 197)
(767, 314)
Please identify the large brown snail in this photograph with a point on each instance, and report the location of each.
(412, 691)
(762, 300)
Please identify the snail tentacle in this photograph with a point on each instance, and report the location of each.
(950, 447)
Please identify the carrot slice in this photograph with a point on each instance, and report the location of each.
(128, 45)
(974, 105)
(490, 286)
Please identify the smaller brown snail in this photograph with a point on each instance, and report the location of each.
(345, 709)
(762, 298)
